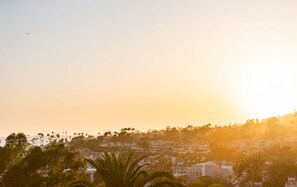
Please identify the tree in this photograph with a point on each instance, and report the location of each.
(278, 171)
(13, 151)
(207, 181)
(216, 185)
(250, 169)
(196, 183)
(15, 146)
(63, 164)
(54, 165)
(121, 171)
(26, 170)
(3, 159)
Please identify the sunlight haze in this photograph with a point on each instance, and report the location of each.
(92, 66)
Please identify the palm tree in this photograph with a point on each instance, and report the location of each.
(120, 171)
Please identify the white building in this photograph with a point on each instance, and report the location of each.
(91, 172)
(209, 169)
(291, 182)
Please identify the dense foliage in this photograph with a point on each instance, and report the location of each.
(260, 151)
(124, 171)
(23, 164)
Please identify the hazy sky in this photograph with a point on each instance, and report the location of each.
(90, 66)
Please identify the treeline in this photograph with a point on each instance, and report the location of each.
(275, 128)
(254, 129)
(271, 129)
(223, 142)
(57, 164)
(24, 164)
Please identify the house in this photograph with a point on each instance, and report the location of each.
(180, 171)
(291, 182)
(155, 146)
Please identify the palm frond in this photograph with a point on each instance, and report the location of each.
(120, 171)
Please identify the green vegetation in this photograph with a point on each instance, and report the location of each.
(57, 165)
(25, 165)
(272, 168)
(260, 151)
(121, 171)
(206, 181)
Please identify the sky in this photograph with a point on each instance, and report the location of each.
(93, 66)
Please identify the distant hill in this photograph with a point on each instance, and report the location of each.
(289, 119)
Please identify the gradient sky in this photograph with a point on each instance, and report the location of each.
(92, 66)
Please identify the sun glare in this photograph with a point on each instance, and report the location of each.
(267, 87)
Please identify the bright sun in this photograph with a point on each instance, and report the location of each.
(267, 87)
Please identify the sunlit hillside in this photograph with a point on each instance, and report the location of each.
(232, 149)
(164, 93)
